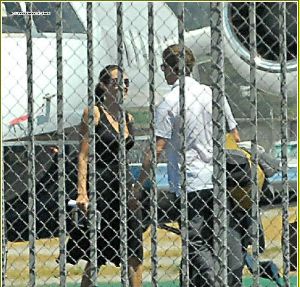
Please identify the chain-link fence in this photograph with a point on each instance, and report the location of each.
(245, 53)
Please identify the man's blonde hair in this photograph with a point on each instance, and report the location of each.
(171, 57)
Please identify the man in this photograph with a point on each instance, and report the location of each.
(199, 168)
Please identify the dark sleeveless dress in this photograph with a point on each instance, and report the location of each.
(108, 203)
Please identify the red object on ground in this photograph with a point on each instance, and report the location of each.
(19, 120)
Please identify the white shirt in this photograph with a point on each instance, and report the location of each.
(199, 146)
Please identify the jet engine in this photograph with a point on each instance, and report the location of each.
(236, 29)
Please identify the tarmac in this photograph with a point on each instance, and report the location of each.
(169, 252)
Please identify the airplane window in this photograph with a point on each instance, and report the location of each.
(47, 23)
(12, 23)
(197, 14)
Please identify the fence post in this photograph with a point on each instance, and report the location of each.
(92, 209)
(219, 169)
(61, 147)
(284, 140)
(153, 191)
(182, 114)
(31, 153)
(122, 151)
(253, 102)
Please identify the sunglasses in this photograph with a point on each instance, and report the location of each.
(115, 82)
(163, 67)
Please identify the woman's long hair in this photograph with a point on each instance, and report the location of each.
(104, 77)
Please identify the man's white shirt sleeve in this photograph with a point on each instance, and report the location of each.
(163, 121)
(229, 116)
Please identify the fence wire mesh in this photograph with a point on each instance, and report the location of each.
(53, 153)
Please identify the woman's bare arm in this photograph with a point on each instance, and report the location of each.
(82, 196)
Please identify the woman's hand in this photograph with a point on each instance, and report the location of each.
(134, 198)
(82, 202)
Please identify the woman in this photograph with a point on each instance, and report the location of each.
(107, 184)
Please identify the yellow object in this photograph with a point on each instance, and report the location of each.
(230, 143)
(242, 195)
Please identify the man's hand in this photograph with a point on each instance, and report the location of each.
(236, 135)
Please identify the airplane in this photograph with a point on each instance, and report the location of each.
(136, 59)
(197, 37)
